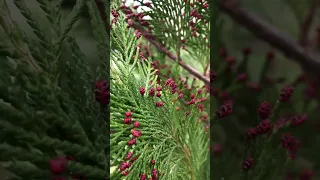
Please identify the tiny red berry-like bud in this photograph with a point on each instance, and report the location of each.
(201, 107)
(248, 163)
(192, 101)
(187, 113)
(205, 5)
(224, 110)
(289, 142)
(285, 94)
(136, 124)
(136, 133)
(142, 91)
(159, 88)
(151, 91)
(125, 173)
(102, 92)
(132, 142)
(264, 110)
(154, 173)
(159, 104)
(128, 114)
(148, 4)
(158, 94)
(143, 177)
(153, 162)
(124, 166)
(264, 127)
(169, 82)
(251, 133)
(134, 159)
(137, 34)
(298, 120)
(58, 165)
(127, 120)
(130, 23)
(129, 155)
(199, 91)
(114, 13)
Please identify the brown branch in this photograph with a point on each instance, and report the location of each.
(309, 61)
(306, 24)
(161, 47)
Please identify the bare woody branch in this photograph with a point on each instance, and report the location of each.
(160, 47)
(309, 61)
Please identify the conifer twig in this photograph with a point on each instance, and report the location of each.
(309, 61)
(160, 47)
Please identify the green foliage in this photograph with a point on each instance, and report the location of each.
(177, 142)
(47, 101)
(171, 19)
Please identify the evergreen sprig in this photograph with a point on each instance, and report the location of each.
(171, 142)
(181, 26)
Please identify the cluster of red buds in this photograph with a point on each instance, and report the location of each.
(155, 174)
(102, 92)
(290, 143)
(247, 163)
(136, 133)
(197, 17)
(262, 128)
(133, 17)
(264, 110)
(152, 92)
(225, 110)
(285, 94)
